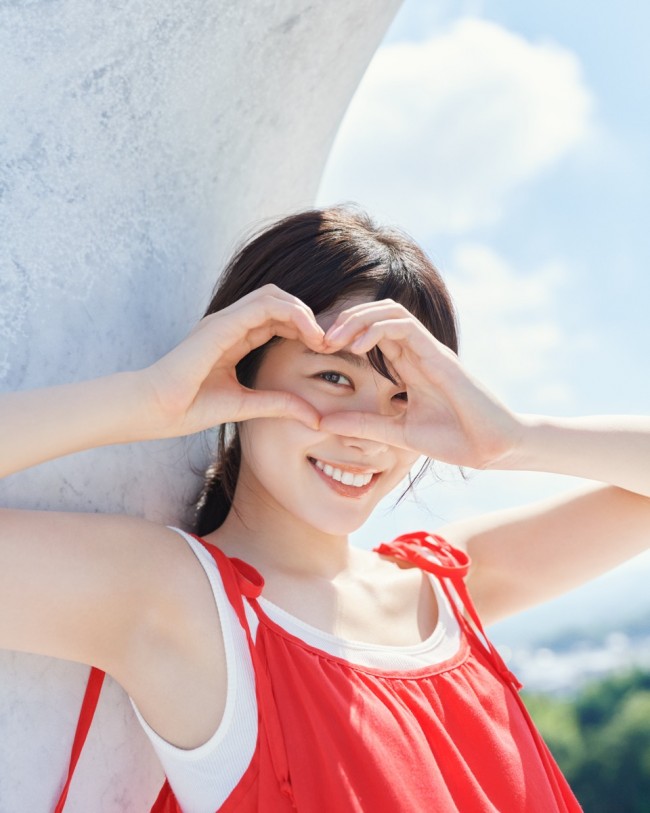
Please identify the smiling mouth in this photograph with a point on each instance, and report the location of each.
(343, 481)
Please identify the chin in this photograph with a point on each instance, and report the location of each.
(336, 526)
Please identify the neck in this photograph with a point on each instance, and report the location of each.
(262, 533)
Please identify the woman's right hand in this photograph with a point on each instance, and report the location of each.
(195, 387)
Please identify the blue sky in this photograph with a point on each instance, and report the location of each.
(513, 142)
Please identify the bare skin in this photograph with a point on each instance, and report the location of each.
(130, 597)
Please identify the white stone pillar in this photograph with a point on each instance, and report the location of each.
(137, 141)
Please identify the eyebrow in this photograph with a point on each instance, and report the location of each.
(345, 355)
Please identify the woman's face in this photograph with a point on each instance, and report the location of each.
(330, 482)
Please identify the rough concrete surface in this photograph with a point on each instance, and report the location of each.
(138, 142)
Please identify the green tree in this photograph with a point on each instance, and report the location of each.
(558, 722)
(601, 741)
(615, 774)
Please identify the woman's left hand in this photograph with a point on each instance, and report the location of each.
(450, 416)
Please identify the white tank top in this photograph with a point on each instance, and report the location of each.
(202, 778)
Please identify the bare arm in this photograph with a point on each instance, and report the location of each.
(85, 587)
(613, 449)
(528, 555)
(524, 556)
(122, 594)
(73, 586)
(43, 424)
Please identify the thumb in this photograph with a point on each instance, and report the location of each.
(365, 425)
(277, 404)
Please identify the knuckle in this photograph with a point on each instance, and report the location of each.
(355, 318)
(270, 291)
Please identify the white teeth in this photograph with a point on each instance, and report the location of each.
(345, 477)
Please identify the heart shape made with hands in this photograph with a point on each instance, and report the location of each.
(449, 416)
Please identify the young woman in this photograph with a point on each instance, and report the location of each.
(274, 666)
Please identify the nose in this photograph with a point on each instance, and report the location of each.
(370, 400)
(368, 448)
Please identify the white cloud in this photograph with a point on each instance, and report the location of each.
(511, 337)
(440, 132)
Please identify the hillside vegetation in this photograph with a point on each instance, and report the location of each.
(601, 740)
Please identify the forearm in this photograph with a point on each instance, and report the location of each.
(43, 424)
(610, 449)
(526, 555)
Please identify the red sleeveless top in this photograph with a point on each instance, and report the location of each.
(452, 736)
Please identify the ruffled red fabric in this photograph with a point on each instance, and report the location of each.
(454, 736)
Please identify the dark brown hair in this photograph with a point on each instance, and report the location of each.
(321, 256)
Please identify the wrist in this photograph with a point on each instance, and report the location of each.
(530, 436)
(132, 411)
(611, 449)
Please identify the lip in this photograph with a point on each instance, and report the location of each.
(346, 466)
(341, 488)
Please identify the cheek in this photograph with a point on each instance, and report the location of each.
(272, 442)
(405, 461)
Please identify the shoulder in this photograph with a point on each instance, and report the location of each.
(151, 585)
(173, 578)
(179, 644)
(91, 587)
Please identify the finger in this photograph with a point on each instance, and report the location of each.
(273, 309)
(403, 365)
(401, 332)
(272, 404)
(268, 291)
(230, 334)
(366, 426)
(222, 339)
(410, 348)
(405, 342)
(259, 336)
(350, 321)
(382, 304)
(258, 301)
(272, 292)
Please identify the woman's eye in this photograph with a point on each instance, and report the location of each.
(335, 378)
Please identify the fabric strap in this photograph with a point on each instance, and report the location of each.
(451, 565)
(435, 555)
(241, 579)
(88, 706)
